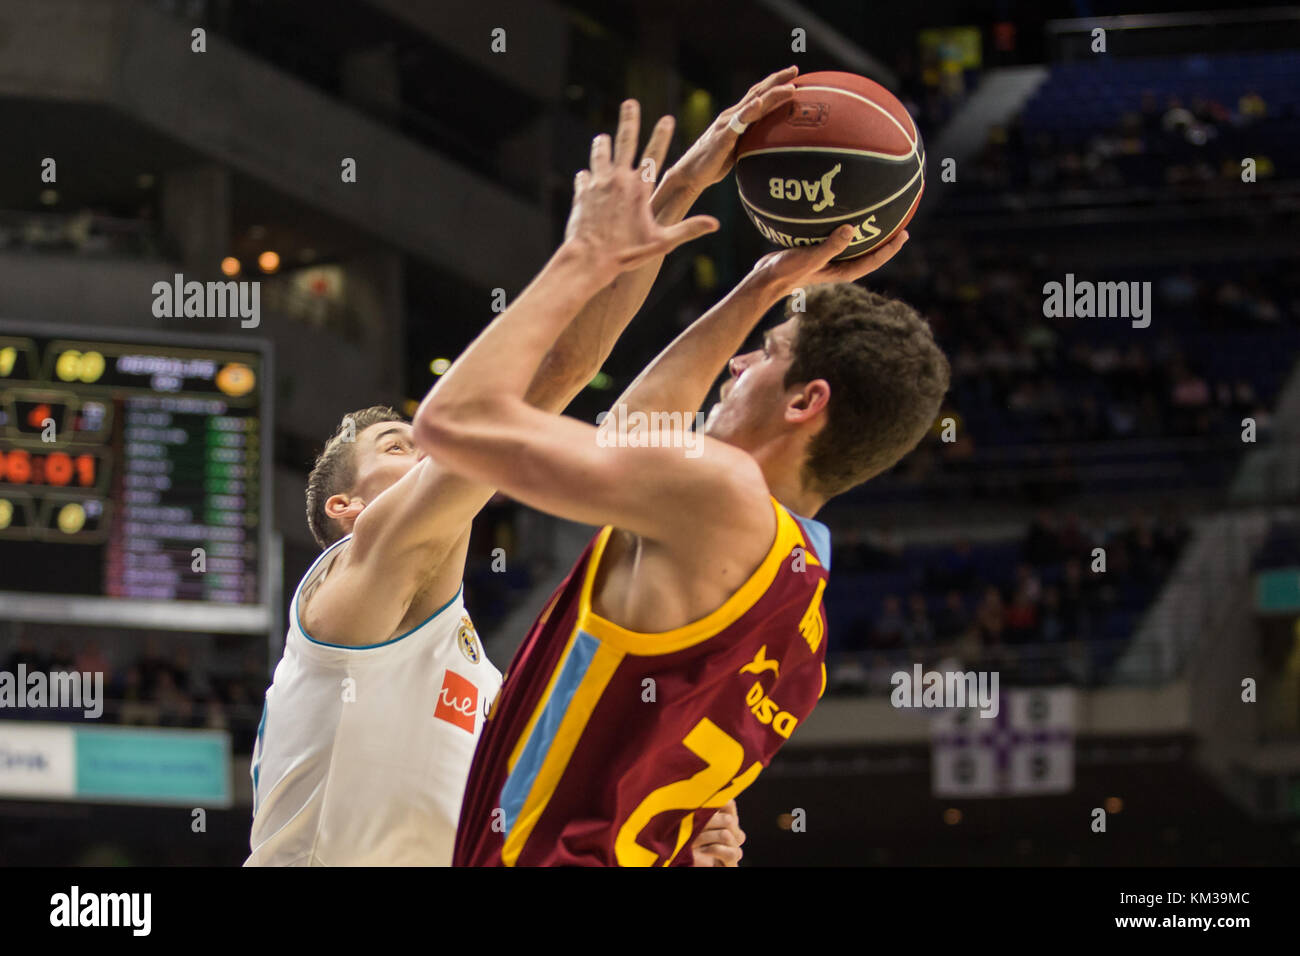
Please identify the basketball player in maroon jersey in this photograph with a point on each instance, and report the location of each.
(687, 644)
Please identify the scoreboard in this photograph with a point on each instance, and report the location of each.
(134, 479)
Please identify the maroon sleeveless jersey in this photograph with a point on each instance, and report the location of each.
(612, 747)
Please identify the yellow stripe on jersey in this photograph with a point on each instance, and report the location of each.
(788, 537)
(576, 715)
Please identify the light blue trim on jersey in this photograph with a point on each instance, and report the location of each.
(515, 790)
(818, 535)
(257, 764)
(359, 647)
(371, 647)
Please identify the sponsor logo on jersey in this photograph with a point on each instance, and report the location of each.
(762, 662)
(467, 639)
(457, 701)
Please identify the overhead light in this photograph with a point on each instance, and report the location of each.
(439, 365)
(230, 266)
(268, 261)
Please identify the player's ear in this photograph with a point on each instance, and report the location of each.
(342, 506)
(808, 401)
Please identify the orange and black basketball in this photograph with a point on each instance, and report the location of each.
(845, 150)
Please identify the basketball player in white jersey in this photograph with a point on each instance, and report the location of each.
(371, 719)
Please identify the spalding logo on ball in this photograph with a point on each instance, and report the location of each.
(843, 151)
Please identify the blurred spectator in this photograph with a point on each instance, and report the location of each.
(1021, 619)
(27, 653)
(954, 621)
(890, 626)
(90, 660)
(918, 631)
(62, 658)
(990, 622)
(1052, 625)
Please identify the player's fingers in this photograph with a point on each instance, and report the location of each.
(600, 153)
(730, 120)
(689, 229)
(854, 269)
(771, 80)
(725, 836)
(629, 128)
(656, 148)
(722, 855)
(723, 819)
(760, 106)
(835, 243)
(669, 240)
(580, 181)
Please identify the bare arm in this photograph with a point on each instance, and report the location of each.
(680, 377)
(424, 518)
(708, 161)
(476, 423)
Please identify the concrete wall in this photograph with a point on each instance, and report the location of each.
(241, 111)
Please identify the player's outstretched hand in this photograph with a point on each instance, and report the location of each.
(780, 273)
(611, 221)
(711, 156)
(719, 842)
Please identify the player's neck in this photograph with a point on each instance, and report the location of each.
(788, 489)
(781, 462)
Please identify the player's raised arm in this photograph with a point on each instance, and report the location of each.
(476, 422)
(591, 336)
(429, 509)
(423, 519)
(679, 378)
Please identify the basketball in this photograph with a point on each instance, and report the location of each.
(844, 151)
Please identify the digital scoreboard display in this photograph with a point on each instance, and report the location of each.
(133, 479)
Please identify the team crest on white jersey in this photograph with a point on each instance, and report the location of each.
(467, 639)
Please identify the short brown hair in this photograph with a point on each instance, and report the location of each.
(335, 470)
(887, 377)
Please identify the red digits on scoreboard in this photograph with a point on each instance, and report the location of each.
(58, 469)
(18, 467)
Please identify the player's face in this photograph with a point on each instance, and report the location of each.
(385, 452)
(752, 401)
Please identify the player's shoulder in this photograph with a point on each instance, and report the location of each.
(740, 487)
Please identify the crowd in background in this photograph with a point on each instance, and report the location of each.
(1024, 608)
(155, 684)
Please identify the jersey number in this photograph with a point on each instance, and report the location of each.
(711, 787)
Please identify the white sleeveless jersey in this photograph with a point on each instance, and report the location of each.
(363, 752)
